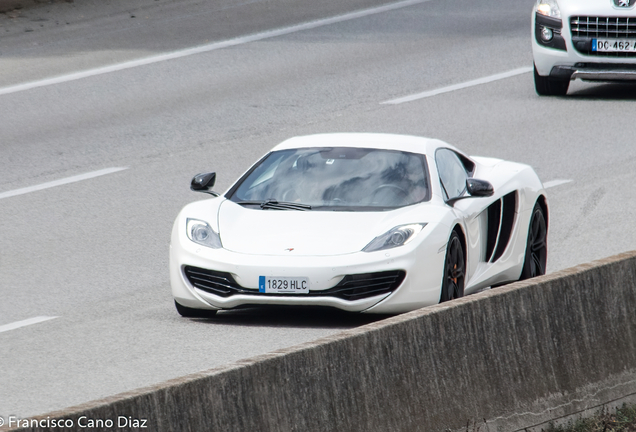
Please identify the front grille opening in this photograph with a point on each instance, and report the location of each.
(214, 282)
(587, 28)
(350, 288)
(356, 287)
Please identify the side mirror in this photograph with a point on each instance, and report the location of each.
(479, 188)
(476, 188)
(203, 182)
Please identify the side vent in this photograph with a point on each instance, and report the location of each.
(506, 225)
(494, 219)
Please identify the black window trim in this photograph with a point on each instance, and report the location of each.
(465, 163)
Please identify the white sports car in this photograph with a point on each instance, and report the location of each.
(591, 40)
(373, 223)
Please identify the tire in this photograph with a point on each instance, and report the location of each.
(536, 257)
(547, 86)
(454, 270)
(187, 312)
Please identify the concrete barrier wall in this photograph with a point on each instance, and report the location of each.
(509, 359)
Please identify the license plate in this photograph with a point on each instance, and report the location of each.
(613, 45)
(283, 285)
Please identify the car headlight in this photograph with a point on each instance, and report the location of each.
(201, 233)
(548, 8)
(398, 236)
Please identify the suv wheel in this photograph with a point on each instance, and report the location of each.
(547, 86)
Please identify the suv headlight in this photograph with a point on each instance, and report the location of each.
(398, 236)
(548, 8)
(201, 233)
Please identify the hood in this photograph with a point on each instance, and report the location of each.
(592, 8)
(306, 233)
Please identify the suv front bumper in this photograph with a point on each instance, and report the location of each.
(570, 57)
(595, 72)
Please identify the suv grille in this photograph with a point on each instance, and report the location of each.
(588, 28)
(351, 287)
(604, 27)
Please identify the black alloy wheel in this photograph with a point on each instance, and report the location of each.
(536, 245)
(187, 312)
(454, 270)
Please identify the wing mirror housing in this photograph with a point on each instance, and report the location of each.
(203, 183)
(479, 188)
(476, 188)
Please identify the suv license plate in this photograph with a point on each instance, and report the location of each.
(283, 285)
(613, 45)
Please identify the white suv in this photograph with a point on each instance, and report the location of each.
(588, 39)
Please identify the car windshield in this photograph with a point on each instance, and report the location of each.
(354, 179)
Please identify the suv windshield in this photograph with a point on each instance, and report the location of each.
(335, 179)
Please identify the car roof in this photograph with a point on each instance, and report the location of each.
(409, 143)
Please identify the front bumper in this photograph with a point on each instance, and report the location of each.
(570, 54)
(358, 290)
(595, 72)
(413, 281)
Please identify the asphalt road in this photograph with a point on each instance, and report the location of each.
(92, 86)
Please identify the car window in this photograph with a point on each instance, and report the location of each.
(337, 179)
(452, 173)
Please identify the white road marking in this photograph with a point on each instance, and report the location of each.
(208, 47)
(60, 182)
(24, 323)
(460, 86)
(554, 183)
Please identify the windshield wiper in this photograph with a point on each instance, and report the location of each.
(277, 205)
